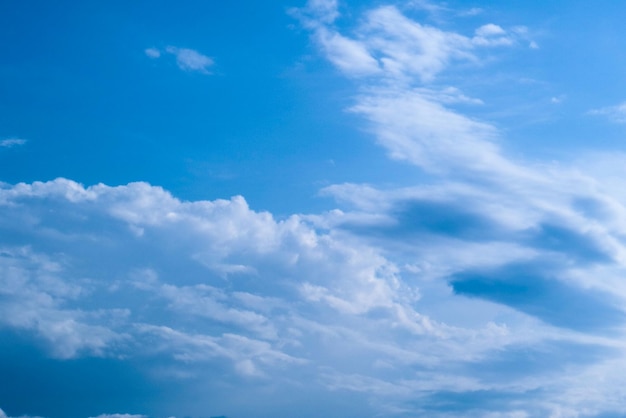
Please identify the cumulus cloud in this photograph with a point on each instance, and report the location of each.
(217, 242)
(317, 292)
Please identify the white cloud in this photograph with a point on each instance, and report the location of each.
(186, 59)
(12, 142)
(565, 222)
(3, 415)
(366, 299)
(320, 290)
(491, 35)
(615, 113)
(349, 55)
(489, 30)
(152, 52)
(190, 60)
(324, 11)
(36, 292)
(416, 128)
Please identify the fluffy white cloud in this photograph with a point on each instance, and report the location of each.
(131, 270)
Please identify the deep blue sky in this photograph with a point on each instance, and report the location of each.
(323, 208)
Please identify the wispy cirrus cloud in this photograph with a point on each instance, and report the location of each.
(12, 142)
(615, 113)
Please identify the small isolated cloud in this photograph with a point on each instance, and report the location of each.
(490, 30)
(190, 60)
(557, 99)
(491, 35)
(12, 142)
(186, 59)
(152, 52)
(615, 113)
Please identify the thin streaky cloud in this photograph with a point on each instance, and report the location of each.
(615, 113)
(12, 142)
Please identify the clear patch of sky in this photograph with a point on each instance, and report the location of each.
(266, 123)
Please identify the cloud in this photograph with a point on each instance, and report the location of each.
(532, 237)
(324, 11)
(190, 60)
(186, 59)
(492, 35)
(489, 287)
(615, 113)
(316, 292)
(12, 142)
(152, 52)
(3, 415)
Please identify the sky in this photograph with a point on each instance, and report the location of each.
(334, 208)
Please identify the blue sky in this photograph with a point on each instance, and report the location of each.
(322, 208)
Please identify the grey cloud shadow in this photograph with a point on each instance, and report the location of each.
(535, 290)
(545, 358)
(578, 247)
(418, 218)
(474, 401)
